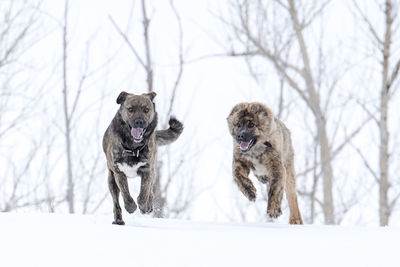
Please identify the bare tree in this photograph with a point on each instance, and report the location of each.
(17, 24)
(67, 115)
(385, 45)
(79, 170)
(275, 31)
(18, 28)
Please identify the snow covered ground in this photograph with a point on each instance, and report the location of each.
(76, 240)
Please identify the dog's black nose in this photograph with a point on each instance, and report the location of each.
(241, 136)
(139, 123)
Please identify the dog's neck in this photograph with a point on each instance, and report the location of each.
(152, 126)
(126, 151)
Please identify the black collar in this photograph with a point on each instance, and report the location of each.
(268, 144)
(126, 151)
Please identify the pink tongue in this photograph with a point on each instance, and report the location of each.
(244, 145)
(137, 132)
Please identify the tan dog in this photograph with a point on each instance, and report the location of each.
(262, 144)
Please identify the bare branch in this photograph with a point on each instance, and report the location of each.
(99, 203)
(13, 46)
(308, 170)
(394, 75)
(369, 24)
(349, 138)
(393, 203)
(366, 164)
(132, 48)
(81, 82)
(370, 114)
(181, 61)
(313, 15)
(148, 66)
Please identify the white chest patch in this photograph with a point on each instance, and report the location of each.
(130, 171)
(260, 169)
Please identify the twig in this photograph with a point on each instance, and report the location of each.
(123, 35)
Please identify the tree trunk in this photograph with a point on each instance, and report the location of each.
(149, 68)
(314, 104)
(384, 209)
(70, 182)
(159, 200)
(327, 173)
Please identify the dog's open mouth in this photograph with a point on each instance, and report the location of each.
(137, 134)
(245, 146)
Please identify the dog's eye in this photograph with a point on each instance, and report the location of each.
(237, 124)
(145, 110)
(130, 109)
(251, 125)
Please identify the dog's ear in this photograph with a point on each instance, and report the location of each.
(258, 108)
(151, 95)
(121, 98)
(235, 109)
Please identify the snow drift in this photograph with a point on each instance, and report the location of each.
(77, 240)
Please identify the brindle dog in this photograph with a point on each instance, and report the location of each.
(262, 144)
(130, 144)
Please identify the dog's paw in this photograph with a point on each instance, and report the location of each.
(130, 206)
(145, 206)
(118, 222)
(251, 194)
(252, 197)
(146, 209)
(274, 211)
(296, 220)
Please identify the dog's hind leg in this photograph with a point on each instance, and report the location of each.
(276, 187)
(122, 182)
(291, 195)
(114, 190)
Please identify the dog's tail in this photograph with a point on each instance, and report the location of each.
(166, 137)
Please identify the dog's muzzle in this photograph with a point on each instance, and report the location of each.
(245, 140)
(138, 128)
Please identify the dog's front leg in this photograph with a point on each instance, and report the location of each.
(145, 198)
(275, 191)
(122, 182)
(114, 190)
(240, 175)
